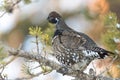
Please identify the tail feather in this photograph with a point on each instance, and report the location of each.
(102, 52)
(105, 53)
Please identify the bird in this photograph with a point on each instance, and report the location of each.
(71, 48)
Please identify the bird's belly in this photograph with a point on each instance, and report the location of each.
(68, 53)
(64, 53)
(68, 58)
(74, 60)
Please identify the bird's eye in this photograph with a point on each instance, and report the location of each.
(57, 19)
(53, 20)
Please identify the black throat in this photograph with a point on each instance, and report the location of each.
(58, 32)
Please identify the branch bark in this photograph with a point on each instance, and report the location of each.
(56, 66)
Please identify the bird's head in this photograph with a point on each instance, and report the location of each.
(53, 17)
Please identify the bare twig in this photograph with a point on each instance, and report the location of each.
(1, 77)
(3, 14)
(13, 58)
(37, 44)
(10, 8)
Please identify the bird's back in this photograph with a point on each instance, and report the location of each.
(89, 41)
(72, 39)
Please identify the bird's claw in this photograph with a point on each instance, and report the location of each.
(63, 70)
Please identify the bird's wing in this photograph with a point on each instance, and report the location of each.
(78, 41)
(72, 39)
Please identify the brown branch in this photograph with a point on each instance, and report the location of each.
(2, 14)
(35, 57)
(55, 66)
(8, 62)
(10, 8)
(1, 77)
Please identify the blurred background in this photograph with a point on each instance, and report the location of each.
(16, 16)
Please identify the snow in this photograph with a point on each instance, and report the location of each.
(116, 40)
(118, 25)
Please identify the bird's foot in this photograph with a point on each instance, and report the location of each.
(63, 70)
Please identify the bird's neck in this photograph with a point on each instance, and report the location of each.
(61, 25)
